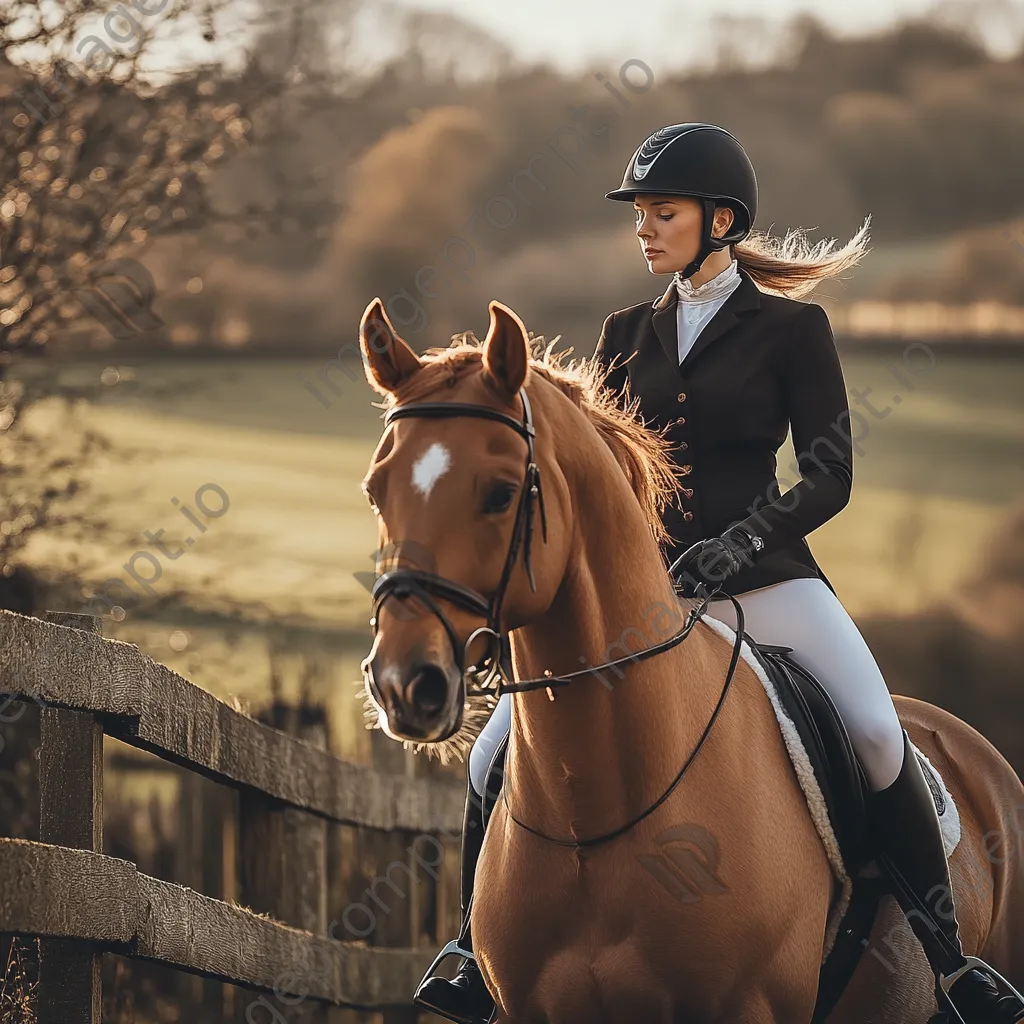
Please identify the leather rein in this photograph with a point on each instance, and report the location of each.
(428, 587)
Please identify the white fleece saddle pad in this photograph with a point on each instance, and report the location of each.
(949, 817)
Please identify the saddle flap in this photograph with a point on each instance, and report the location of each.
(837, 767)
(835, 764)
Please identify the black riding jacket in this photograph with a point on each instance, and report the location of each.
(762, 364)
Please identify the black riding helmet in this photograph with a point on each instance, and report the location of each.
(704, 162)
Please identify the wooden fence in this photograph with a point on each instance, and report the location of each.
(82, 903)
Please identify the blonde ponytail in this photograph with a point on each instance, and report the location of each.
(793, 266)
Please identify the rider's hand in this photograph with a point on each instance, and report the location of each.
(717, 559)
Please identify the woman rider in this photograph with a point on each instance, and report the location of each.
(728, 360)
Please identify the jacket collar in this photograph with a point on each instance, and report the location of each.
(745, 299)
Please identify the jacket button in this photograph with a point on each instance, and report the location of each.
(683, 446)
(687, 516)
(681, 396)
(681, 420)
(686, 470)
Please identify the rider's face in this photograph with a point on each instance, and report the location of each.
(669, 230)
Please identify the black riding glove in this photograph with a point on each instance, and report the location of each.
(716, 559)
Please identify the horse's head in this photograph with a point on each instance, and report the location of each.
(473, 512)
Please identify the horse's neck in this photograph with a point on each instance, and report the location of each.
(609, 744)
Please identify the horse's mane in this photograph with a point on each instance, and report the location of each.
(642, 453)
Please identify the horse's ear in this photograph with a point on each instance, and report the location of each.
(387, 360)
(506, 351)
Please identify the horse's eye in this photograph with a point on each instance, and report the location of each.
(500, 498)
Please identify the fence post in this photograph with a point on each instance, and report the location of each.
(70, 814)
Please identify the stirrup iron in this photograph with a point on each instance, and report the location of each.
(451, 949)
(944, 982)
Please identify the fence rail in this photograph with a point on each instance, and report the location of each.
(82, 903)
(149, 706)
(63, 893)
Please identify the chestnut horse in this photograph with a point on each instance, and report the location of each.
(567, 934)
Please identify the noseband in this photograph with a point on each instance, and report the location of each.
(428, 586)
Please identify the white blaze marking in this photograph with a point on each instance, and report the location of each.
(430, 467)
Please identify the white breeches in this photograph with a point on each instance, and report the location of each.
(805, 615)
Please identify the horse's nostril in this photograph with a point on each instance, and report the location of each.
(428, 689)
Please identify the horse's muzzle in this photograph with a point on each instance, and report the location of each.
(422, 700)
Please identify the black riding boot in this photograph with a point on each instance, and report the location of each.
(906, 829)
(465, 998)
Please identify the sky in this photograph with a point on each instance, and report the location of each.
(576, 35)
(573, 33)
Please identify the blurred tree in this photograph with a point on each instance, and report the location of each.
(91, 170)
(299, 41)
(95, 161)
(441, 44)
(303, 48)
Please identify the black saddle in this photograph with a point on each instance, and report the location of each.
(836, 766)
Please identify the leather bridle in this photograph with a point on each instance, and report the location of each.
(429, 587)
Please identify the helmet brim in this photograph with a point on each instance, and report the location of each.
(628, 194)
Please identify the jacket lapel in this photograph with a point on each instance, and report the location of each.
(745, 299)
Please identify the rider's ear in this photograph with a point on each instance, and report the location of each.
(387, 360)
(506, 352)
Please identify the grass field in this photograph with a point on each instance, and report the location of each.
(935, 474)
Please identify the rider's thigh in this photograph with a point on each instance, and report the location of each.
(804, 614)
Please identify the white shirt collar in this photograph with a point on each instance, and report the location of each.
(720, 285)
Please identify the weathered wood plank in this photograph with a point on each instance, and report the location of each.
(70, 779)
(70, 982)
(49, 890)
(191, 842)
(70, 814)
(147, 705)
(76, 894)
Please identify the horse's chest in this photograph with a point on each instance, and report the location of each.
(603, 946)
